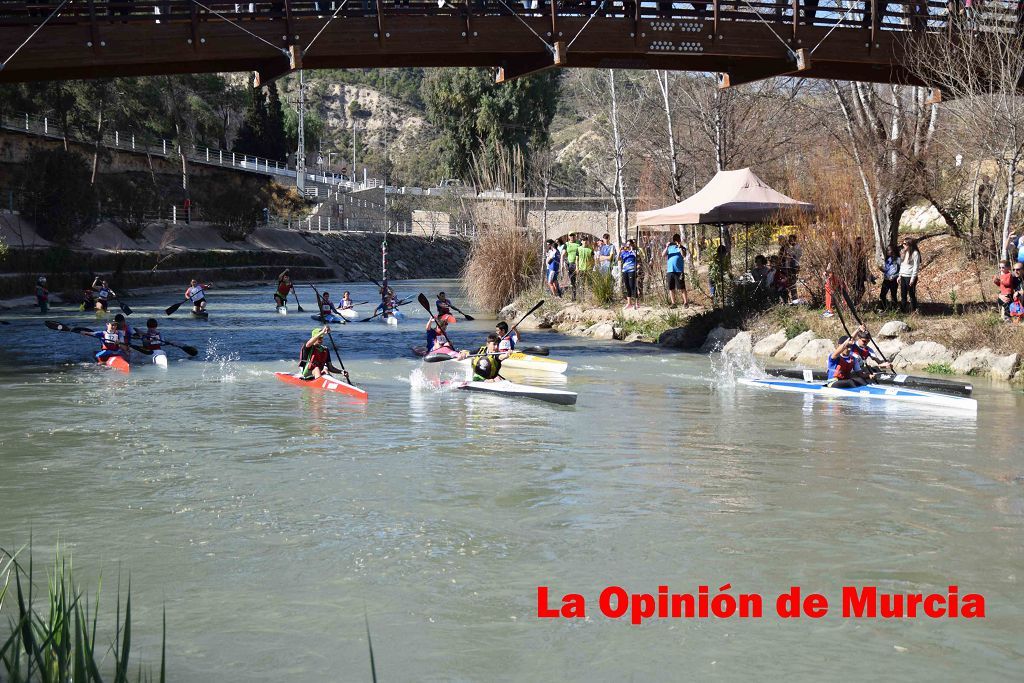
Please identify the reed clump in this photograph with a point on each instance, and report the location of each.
(59, 641)
(505, 258)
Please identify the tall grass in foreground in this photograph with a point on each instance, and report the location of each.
(59, 642)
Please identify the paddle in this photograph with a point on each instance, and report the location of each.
(85, 331)
(536, 350)
(190, 350)
(4, 322)
(853, 311)
(467, 316)
(331, 337)
(171, 309)
(528, 314)
(298, 306)
(125, 308)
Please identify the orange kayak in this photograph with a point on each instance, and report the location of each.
(118, 363)
(327, 383)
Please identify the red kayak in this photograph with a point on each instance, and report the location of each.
(118, 363)
(326, 383)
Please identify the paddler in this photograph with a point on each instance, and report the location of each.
(507, 339)
(327, 309)
(862, 338)
(318, 357)
(346, 302)
(127, 329)
(487, 361)
(113, 340)
(103, 294)
(196, 293)
(444, 307)
(284, 288)
(152, 340)
(844, 369)
(437, 334)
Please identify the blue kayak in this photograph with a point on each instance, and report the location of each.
(882, 392)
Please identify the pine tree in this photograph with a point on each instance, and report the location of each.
(252, 137)
(276, 146)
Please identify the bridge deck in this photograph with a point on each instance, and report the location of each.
(745, 39)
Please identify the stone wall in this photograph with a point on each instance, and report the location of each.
(356, 256)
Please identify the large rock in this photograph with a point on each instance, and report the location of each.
(508, 313)
(794, 346)
(717, 339)
(601, 330)
(890, 347)
(893, 329)
(1003, 367)
(536, 322)
(922, 354)
(815, 352)
(740, 345)
(972, 362)
(771, 344)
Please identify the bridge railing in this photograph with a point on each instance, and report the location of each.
(896, 16)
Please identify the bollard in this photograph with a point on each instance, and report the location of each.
(174, 214)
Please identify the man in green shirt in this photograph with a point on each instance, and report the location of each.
(571, 254)
(585, 257)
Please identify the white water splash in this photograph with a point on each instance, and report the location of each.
(726, 368)
(219, 368)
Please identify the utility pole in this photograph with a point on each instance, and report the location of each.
(300, 153)
(353, 174)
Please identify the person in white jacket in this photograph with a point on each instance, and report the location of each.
(910, 266)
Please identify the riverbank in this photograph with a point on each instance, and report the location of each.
(976, 344)
(170, 255)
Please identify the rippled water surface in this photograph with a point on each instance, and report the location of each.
(268, 518)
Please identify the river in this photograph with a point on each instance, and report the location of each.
(270, 519)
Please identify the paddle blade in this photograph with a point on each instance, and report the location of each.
(190, 350)
(4, 322)
(437, 358)
(536, 350)
(81, 330)
(125, 307)
(467, 316)
(141, 350)
(423, 302)
(56, 326)
(171, 309)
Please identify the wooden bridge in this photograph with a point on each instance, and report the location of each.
(744, 40)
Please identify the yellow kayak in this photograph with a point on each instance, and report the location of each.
(524, 361)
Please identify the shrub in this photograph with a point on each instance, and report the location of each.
(601, 286)
(233, 212)
(503, 263)
(129, 202)
(940, 369)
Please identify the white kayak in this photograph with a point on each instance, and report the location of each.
(393, 318)
(283, 310)
(881, 392)
(348, 313)
(160, 359)
(506, 388)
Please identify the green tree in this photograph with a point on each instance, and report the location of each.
(58, 197)
(276, 141)
(475, 115)
(254, 127)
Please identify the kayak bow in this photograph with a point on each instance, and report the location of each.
(326, 383)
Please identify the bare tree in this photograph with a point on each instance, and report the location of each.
(888, 130)
(980, 71)
(662, 77)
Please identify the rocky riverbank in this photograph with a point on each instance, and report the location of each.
(704, 330)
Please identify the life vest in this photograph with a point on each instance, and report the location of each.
(103, 294)
(488, 370)
(443, 307)
(152, 341)
(283, 288)
(440, 341)
(862, 351)
(506, 345)
(195, 294)
(345, 303)
(112, 340)
(318, 357)
(845, 367)
(325, 307)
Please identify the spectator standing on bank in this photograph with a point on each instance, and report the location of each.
(42, 294)
(628, 259)
(890, 277)
(571, 255)
(606, 254)
(1009, 282)
(675, 265)
(552, 260)
(910, 267)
